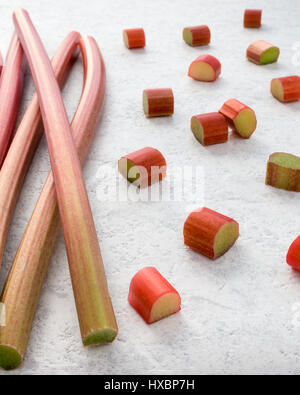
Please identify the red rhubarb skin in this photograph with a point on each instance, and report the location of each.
(146, 287)
(293, 255)
(231, 109)
(290, 86)
(200, 230)
(160, 102)
(11, 86)
(200, 35)
(252, 18)
(145, 159)
(212, 61)
(215, 128)
(136, 37)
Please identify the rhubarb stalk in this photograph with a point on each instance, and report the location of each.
(1, 63)
(11, 85)
(26, 141)
(94, 308)
(27, 274)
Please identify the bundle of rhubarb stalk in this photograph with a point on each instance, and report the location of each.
(63, 198)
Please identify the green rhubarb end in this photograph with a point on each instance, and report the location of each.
(286, 160)
(187, 36)
(145, 103)
(269, 56)
(9, 358)
(100, 337)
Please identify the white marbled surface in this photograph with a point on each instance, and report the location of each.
(240, 314)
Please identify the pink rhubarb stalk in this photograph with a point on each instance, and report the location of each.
(22, 290)
(26, 141)
(1, 63)
(94, 308)
(11, 84)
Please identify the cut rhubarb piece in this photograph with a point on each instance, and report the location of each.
(143, 167)
(252, 18)
(210, 233)
(134, 38)
(240, 117)
(283, 171)
(196, 35)
(152, 296)
(211, 128)
(262, 52)
(95, 313)
(205, 68)
(158, 102)
(293, 255)
(286, 89)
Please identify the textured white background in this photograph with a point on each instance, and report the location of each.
(240, 313)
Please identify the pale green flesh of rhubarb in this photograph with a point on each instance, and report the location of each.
(9, 358)
(102, 336)
(145, 104)
(187, 36)
(166, 305)
(245, 122)
(269, 56)
(129, 170)
(286, 160)
(197, 129)
(225, 238)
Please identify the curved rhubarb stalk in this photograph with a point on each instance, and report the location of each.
(94, 308)
(26, 140)
(31, 263)
(11, 85)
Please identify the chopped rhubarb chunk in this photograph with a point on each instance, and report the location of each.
(143, 167)
(210, 233)
(196, 35)
(283, 171)
(252, 18)
(211, 128)
(134, 38)
(240, 117)
(262, 52)
(205, 68)
(286, 89)
(293, 255)
(152, 296)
